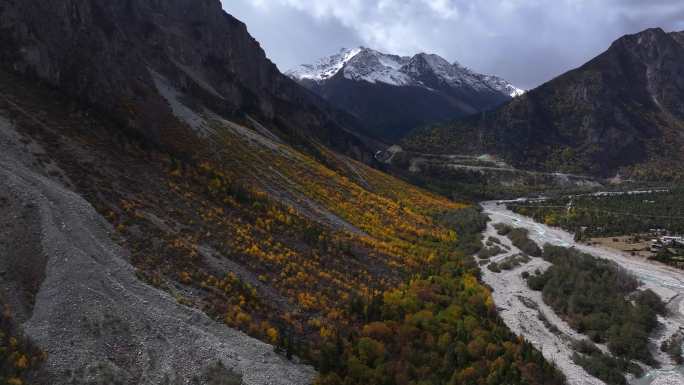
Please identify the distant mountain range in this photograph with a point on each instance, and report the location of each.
(621, 113)
(393, 94)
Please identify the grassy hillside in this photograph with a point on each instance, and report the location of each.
(365, 276)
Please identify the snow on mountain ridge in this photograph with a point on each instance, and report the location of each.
(503, 86)
(326, 67)
(373, 66)
(442, 68)
(365, 64)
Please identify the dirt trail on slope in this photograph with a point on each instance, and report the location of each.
(96, 320)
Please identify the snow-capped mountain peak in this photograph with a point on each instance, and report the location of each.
(326, 67)
(365, 64)
(372, 66)
(359, 64)
(503, 86)
(437, 63)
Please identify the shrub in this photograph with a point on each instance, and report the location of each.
(520, 239)
(673, 347)
(494, 267)
(20, 359)
(602, 367)
(514, 261)
(502, 229)
(489, 252)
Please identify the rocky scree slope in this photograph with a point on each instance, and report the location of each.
(622, 112)
(81, 301)
(393, 94)
(111, 55)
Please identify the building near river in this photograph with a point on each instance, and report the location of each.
(662, 242)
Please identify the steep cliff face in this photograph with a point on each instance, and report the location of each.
(623, 109)
(113, 55)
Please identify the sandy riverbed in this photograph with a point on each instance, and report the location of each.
(514, 298)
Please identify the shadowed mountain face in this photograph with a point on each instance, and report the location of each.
(392, 94)
(622, 111)
(121, 57)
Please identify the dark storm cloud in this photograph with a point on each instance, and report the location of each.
(525, 41)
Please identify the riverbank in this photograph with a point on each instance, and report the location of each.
(516, 302)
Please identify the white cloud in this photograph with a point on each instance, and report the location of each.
(443, 8)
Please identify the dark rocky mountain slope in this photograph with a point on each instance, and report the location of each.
(120, 56)
(622, 112)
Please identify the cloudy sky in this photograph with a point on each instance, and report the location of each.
(526, 41)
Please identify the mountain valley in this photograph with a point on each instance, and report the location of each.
(174, 210)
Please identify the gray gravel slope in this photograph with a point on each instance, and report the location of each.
(96, 320)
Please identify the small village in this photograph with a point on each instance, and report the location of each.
(661, 242)
(657, 245)
(667, 248)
